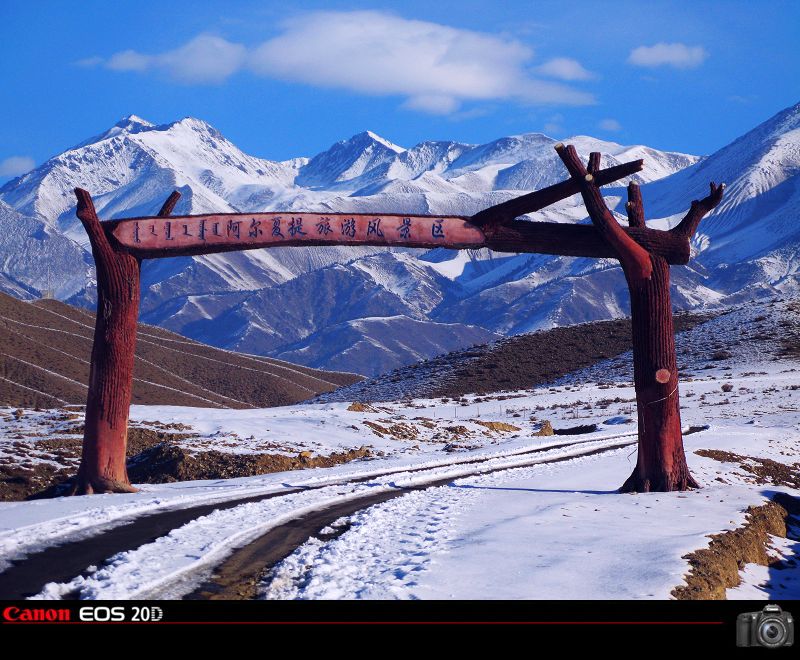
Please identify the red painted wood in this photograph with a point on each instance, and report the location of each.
(645, 255)
(156, 237)
(513, 236)
(635, 206)
(632, 255)
(580, 240)
(661, 461)
(102, 468)
(594, 163)
(169, 204)
(698, 210)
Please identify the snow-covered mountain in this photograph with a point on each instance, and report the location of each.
(129, 166)
(752, 239)
(394, 305)
(36, 259)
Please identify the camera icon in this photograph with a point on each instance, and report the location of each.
(771, 628)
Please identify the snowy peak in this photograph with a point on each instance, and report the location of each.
(347, 160)
(657, 164)
(192, 124)
(135, 120)
(129, 167)
(760, 159)
(125, 126)
(503, 151)
(432, 156)
(367, 164)
(528, 161)
(377, 138)
(773, 145)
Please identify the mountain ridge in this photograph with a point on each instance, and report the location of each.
(747, 248)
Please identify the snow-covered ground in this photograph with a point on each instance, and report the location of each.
(560, 530)
(545, 532)
(533, 530)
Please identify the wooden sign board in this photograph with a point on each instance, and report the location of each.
(154, 237)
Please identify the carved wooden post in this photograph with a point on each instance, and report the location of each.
(108, 400)
(661, 463)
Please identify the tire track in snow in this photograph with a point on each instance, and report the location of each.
(238, 576)
(59, 563)
(29, 540)
(369, 555)
(244, 541)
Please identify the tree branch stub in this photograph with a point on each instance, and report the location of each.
(698, 210)
(634, 258)
(169, 204)
(635, 206)
(594, 162)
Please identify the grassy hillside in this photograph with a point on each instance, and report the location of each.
(44, 361)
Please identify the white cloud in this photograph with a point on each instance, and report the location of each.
(564, 68)
(435, 67)
(677, 55)
(435, 104)
(90, 62)
(204, 59)
(16, 165)
(551, 129)
(130, 60)
(611, 125)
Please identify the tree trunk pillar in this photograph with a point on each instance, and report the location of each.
(102, 468)
(661, 463)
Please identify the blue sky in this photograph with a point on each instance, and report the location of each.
(288, 79)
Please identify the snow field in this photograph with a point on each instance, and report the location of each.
(550, 530)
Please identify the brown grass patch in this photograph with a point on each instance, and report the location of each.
(47, 345)
(716, 568)
(498, 426)
(356, 406)
(764, 470)
(533, 359)
(166, 463)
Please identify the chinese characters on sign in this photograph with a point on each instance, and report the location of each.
(324, 227)
(349, 228)
(209, 233)
(404, 230)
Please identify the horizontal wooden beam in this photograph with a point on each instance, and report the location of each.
(580, 240)
(157, 237)
(540, 199)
